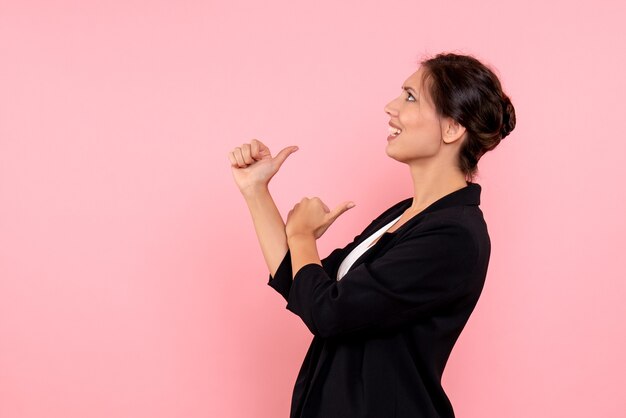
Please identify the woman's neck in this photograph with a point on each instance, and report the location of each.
(430, 185)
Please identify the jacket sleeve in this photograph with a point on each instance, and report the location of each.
(283, 278)
(281, 282)
(422, 272)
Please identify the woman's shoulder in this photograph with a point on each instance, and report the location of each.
(461, 221)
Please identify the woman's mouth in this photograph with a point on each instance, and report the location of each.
(393, 132)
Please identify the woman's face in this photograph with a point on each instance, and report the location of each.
(414, 114)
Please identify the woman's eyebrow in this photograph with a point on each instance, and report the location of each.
(408, 88)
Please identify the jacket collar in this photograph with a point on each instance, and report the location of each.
(468, 195)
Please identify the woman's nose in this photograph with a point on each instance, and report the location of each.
(389, 109)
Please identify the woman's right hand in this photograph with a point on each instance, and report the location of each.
(252, 164)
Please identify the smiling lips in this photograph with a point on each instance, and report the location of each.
(393, 131)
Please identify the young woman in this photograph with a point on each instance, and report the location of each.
(387, 309)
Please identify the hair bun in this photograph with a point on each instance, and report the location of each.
(508, 116)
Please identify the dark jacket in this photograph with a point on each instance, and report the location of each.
(383, 333)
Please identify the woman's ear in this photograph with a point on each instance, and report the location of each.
(452, 130)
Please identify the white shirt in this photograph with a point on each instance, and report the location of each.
(360, 249)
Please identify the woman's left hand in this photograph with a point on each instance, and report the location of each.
(312, 217)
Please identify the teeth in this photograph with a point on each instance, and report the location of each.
(394, 131)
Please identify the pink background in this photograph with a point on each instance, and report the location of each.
(131, 281)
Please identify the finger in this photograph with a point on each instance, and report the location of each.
(262, 146)
(254, 149)
(263, 149)
(326, 209)
(245, 150)
(283, 154)
(233, 160)
(239, 157)
(341, 209)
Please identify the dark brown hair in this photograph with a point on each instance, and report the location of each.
(469, 92)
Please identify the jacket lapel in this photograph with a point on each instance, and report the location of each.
(469, 195)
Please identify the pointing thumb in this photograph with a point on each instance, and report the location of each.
(341, 209)
(284, 153)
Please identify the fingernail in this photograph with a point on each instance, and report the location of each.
(351, 205)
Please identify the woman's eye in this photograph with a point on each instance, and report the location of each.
(410, 95)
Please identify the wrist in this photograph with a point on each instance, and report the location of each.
(253, 191)
(303, 251)
(300, 236)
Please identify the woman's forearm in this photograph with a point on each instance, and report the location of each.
(303, 252)
(269, 226)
